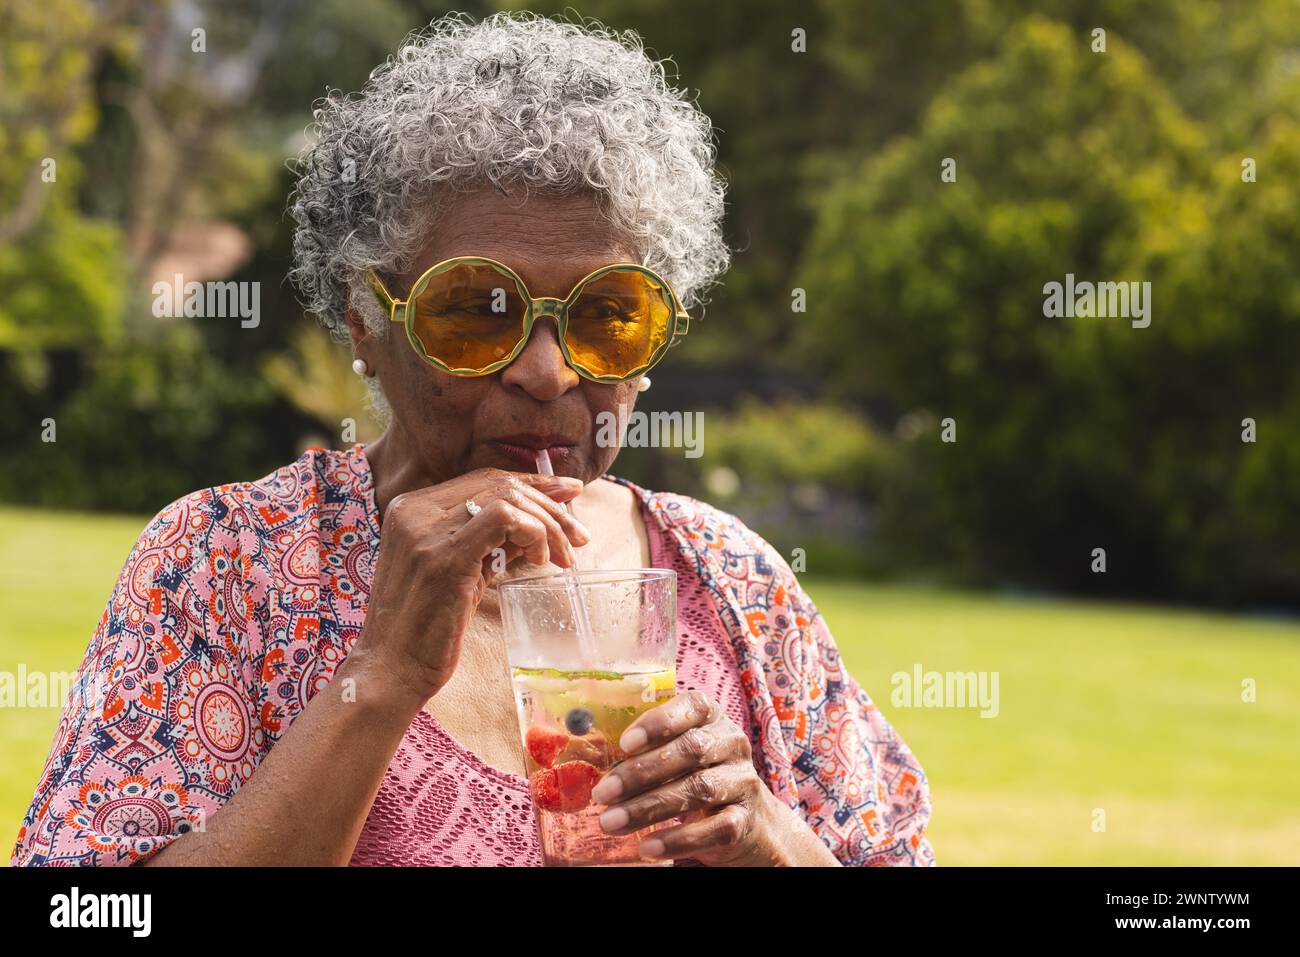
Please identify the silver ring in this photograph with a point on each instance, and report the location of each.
(472, 508)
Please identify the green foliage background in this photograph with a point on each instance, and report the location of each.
(924, 298)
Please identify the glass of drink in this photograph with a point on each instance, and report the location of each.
(589, 652)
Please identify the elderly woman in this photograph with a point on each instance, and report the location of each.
(310, 669)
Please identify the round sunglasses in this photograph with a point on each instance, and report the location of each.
(471, 316)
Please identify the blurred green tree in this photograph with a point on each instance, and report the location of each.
(924, 299)
(1072, 433)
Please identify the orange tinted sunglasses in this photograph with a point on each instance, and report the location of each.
(471, 316)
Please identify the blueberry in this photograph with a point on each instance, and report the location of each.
(579, 721)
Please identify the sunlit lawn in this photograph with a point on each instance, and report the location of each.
(1135, 711)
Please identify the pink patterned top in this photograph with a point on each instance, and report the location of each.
(238, 603)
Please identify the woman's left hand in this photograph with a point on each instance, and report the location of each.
(686, 758)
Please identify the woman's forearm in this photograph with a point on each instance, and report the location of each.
(788, 840)
(308, 799)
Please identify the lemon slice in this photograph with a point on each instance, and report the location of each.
(614, 699)
(665, 680)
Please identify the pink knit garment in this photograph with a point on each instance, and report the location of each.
(440, 804)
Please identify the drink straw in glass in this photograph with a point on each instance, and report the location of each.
(577, 603)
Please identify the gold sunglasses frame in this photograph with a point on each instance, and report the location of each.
(399, 310)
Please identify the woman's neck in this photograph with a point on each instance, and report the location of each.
(396, 469)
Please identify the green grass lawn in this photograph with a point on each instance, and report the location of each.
(1136, 711)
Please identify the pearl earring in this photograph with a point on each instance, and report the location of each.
(360, 368)
(643, 384)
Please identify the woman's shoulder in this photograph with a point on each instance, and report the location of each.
(269, 507)
(237, 543)
(229, 570)
(672, 508)
(718, 538)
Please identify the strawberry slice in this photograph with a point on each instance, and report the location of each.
(564, 788)
(545, 744)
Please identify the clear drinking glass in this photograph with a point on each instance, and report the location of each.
(577, 689)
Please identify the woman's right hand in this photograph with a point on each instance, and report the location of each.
(435, 562)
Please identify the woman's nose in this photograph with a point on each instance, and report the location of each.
(540, 370)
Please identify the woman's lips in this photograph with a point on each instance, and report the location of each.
(526, 455)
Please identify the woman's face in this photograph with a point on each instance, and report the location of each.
(451, 424)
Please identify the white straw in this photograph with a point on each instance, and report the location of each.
(577, 603)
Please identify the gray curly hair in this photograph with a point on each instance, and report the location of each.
(517, 98)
